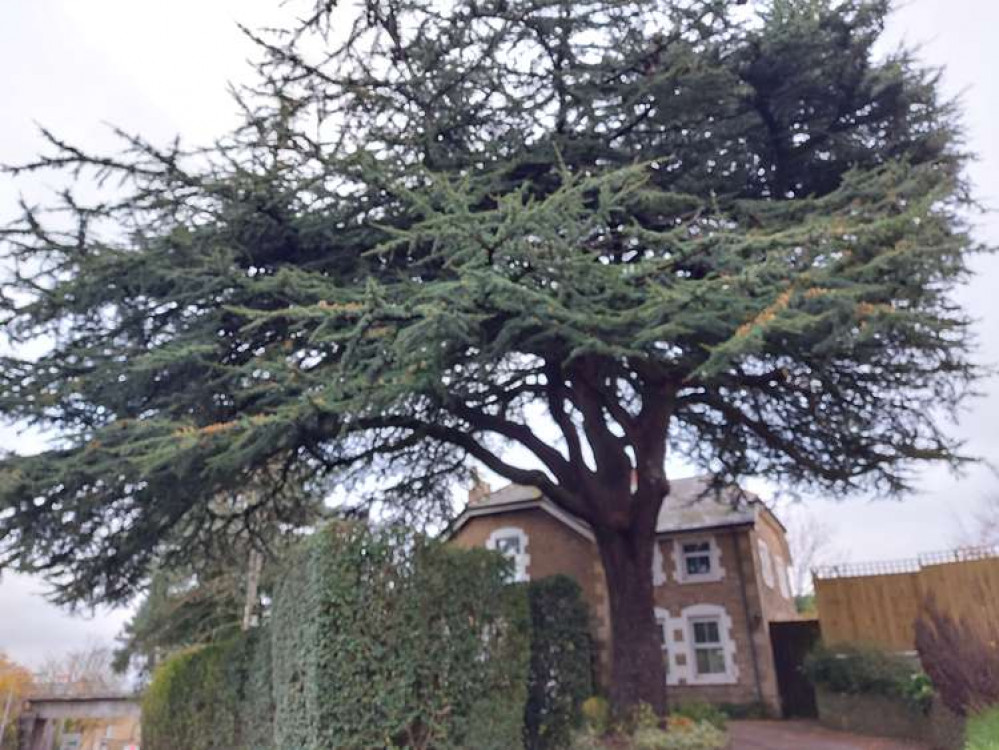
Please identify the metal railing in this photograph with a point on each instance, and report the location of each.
(910, 565)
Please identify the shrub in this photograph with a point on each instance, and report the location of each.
(385, 639)
(597, 715)
(961, 660)
(702, 711)
(194, 699)
(682, 734)
(982, 731)
(918, 691)
(650, 738)
(741, 711)
(257, 710)
(642, 716)
(859, 669)
(586, 740)
(561, 662)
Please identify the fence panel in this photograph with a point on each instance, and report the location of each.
(878, 603)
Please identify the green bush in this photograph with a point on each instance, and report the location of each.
(983, 731)
(257, 710)
(194, 700)
(597, 715)
(385, 639)
(699, 711)
(743, 711)
(587, 740)
(682, 734)
(561, 670)
(856, 669)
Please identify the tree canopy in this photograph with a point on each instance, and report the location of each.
(598, 231)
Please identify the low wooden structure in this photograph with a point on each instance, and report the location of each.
(92, 722)
(878, 603)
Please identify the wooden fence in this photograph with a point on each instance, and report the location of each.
(878, 603)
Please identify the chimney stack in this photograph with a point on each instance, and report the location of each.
(480, 489)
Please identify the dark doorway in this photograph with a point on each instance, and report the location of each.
(791, 643)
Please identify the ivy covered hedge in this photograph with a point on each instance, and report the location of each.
(195, 699)
(561, 673)
(383, 639)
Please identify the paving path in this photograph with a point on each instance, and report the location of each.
(805, 735)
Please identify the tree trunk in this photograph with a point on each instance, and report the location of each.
(638, 672)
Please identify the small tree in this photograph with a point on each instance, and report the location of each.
(983, 529)
(812, 543)
(82, 672)
(15, 683)
(961, 657)
(595, 231)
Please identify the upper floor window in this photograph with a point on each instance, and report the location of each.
(697, 560)
(512, 543)
(766, 563)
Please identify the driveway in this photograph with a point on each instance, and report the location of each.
(805, 735)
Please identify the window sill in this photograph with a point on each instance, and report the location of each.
(714, 679)
(707, 578)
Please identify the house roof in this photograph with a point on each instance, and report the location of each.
(691, 505)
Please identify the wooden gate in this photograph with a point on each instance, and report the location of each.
(792, 641)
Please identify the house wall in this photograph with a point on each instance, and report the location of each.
(554, 548)
(738, 593)
(778, 602)
(115, 734)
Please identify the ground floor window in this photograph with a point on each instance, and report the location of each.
(663, 623)
(709, 653)
(698, 645)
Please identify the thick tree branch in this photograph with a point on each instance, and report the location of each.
(466, 441)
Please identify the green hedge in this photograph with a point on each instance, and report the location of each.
(561, 673)
(194, 700)
(383, 639)
(861, 669)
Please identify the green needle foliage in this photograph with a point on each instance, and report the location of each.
(596, 231)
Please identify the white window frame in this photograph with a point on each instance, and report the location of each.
(716, 613)
(665, 625)
(783, 580)
(521, 560)
(659, 577)
(766, 563)
(716, 573)
(685, 673)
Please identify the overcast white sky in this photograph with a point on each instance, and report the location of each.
(161, 68)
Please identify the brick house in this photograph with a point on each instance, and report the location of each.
(720, 572)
